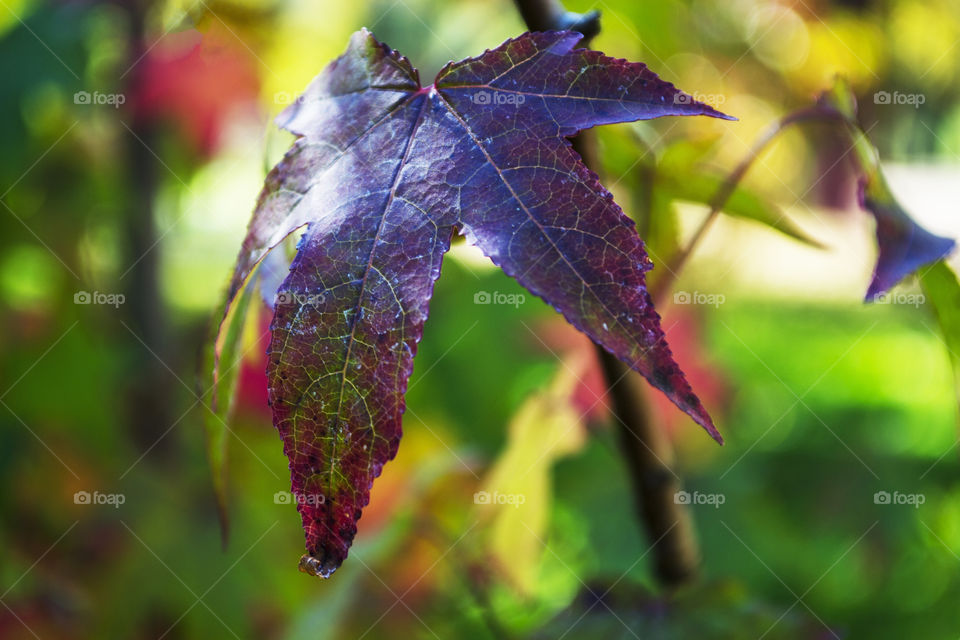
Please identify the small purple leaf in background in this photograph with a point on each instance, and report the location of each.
(383, 173)
(903, 245)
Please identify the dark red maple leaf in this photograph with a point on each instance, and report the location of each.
(382, 173)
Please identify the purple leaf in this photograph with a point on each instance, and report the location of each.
(383, 173)
(903, 245)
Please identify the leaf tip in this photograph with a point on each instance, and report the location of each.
(224, 530)
(223, 514)
(708, 110)
(708, 426)
(716, 436)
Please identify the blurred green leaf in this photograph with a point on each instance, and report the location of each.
(681, 174)
(940, 285)
(222, 356)
(605, 611)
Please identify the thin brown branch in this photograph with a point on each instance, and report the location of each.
(645, 450)
(729, 186)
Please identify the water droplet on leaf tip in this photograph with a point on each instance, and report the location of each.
(315, 567)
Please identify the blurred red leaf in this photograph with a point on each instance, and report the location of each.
(195, 81)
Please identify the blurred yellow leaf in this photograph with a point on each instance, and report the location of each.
(515, 497)
(16, 10)
(841, 45)
(925, 35)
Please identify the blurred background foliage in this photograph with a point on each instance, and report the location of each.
(135, 139)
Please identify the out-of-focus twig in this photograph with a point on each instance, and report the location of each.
(729, 186)
(645, 450)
